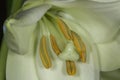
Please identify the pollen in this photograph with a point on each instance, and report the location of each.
(45, 58)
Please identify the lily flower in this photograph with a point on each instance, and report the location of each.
(62, 40)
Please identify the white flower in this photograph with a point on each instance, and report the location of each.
(63, 27)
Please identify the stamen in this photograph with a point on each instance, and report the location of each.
(54, 45)
(71, 68)
(83, 54)
(44, 53)
(80, 46)
(64, 28)
(70, 65)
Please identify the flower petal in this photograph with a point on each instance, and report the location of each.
(101, 20)
(109, 10)
(18, 31)
(21, 67)
(110, 75)
(31, 3)
(118, 37)
(18, 37)
(105, 0)
(100, 28)
(109, 56)
(32, 15)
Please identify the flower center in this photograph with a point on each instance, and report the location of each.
(72, 50)
(69, 53)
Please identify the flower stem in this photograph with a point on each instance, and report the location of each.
(3, 58)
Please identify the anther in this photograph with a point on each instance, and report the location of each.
(70, 65)
(54, 45)
(71, 68)
(44, 53)
(64, 28)
(80, 46)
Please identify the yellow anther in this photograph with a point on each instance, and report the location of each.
(44, 53)
(64, 28)
(80, 46)
(54, 45)
(83, 54)
(71, 67)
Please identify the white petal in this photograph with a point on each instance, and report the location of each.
(31, 16)
(109, 56)
(18, 31)
(63, 3)
(118, 37)
(109, 10)
(111, 75)
(31, 3)
(105, 0)
(100, 28)
(18, 37)
(100, 19)
(21, 67)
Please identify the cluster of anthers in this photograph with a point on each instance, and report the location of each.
(71, 37)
